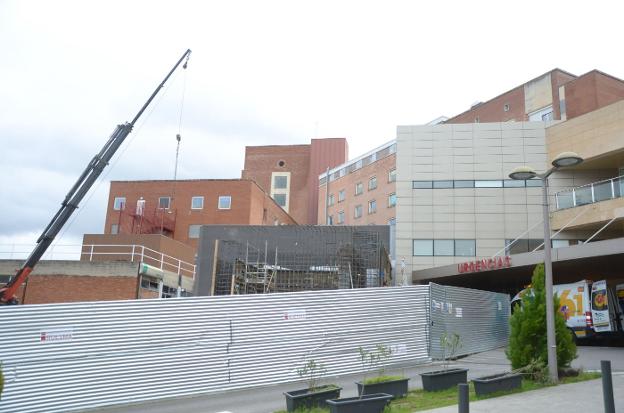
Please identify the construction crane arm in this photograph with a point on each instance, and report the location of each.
(76, 194)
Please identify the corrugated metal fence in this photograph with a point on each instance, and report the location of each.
(64, 357)
(480, 318)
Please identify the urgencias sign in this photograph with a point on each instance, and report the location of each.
(486, 264)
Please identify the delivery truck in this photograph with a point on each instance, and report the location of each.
(591, 308)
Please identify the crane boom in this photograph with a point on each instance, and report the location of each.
(76, 194)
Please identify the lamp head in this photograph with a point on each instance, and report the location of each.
(567, 159)
(523, 173)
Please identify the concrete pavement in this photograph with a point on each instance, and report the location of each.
(271, 398)
(584, 397)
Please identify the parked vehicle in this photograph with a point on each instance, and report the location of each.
(591, 309)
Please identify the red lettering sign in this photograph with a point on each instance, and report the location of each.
(485, 264)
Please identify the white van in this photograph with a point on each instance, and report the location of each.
(590, 309)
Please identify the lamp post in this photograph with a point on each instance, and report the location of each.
(524, 173)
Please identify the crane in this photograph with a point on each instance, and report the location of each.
(77, 193)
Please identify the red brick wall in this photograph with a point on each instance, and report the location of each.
(591, 91)
(558, 78)
(42, 289)
(493, 110)
(325, 153)
(384, 188)
(261, 161)
(241, 213)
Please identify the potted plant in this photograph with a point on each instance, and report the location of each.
(366, 402)
(375, 360)
(497, 382)
(445, 378)
(314, 395)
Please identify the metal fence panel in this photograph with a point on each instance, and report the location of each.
(67, 357)
(480, 318)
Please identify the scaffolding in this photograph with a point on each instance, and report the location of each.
(319, 262)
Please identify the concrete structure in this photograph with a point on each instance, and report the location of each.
(291, 258)
(289, 172)
(361, 191)
(178, 208)
(556, 95)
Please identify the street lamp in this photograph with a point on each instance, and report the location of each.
(523, 173)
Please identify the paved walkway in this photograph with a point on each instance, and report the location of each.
(584, 397)
(269, 399)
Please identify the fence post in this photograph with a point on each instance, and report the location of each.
(464, 401)
(607, 386)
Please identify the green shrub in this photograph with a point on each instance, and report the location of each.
(527, 343)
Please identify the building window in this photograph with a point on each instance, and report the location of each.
(280, 181)
(193, 231)
(149, 284)
(422, 184)
(442, 184)
(444, 247)
(280, 199)
(119, 203)
(341, 195)
(372, 206)
(197, 202)
(391, 200)
(513, 183)
(477, 120)
(533, 182)
(358, 211)
(330, 220)
(115, 229)
(359, 188)
(465, 248)
(392, 221)
(506, 107)
(164, 202)
(330, 200)
(341, 217)
(488, 184)
(392, 176)
(372, 183)
(225, 202)
(464, 184)
(423, 247)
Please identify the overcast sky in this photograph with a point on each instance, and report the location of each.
(261, 72)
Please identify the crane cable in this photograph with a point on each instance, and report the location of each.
(179, 135)
(114, 162)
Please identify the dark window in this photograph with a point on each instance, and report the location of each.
(442, 184)
(464, 184)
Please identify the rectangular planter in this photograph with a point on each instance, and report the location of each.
(396, 388)
(496, 383)
(297, 399)
(368, 403)
(443, 379)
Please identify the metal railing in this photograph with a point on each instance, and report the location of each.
(105, 252)
(590, 193)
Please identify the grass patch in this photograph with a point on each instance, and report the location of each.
(381, 379)
(418, 400)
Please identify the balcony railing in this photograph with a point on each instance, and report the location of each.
(591, 193)
(99, 252)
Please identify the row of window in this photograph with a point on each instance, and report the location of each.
(164, 202)
(357, 211)
(467, 247)
(359, 188)
(501, 183)
(360, 163)
(444, 247)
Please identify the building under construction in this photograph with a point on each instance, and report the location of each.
(235, 259)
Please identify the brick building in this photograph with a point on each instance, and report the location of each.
(361, 191)
(178, 208)
(289, 173)
(74, 281)
(556, 95)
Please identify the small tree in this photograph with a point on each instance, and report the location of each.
(312, 372)
(527, 342)
(375, 359)
(450, 343)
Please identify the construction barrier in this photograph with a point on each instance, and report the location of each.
(76, 356)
